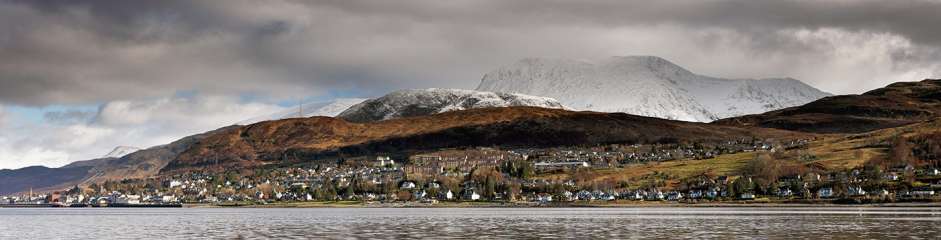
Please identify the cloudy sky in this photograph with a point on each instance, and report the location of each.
(78, 78)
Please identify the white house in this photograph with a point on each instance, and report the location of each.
(655, 195)
(472, 195)
(407, 185)
(857, 191)
(382, 161)
(675, 196)
(639, 195)
(420, 194)
(568, 196)
(544, 198)
(447, 195)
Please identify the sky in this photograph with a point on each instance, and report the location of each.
(78, 78)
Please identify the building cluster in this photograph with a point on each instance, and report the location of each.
(855, 185)
(499, 175)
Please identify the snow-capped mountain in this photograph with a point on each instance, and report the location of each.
(420, 102)
(647, 86)
(120, 151)
(328, 109)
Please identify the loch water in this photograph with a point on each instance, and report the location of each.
(473, 223)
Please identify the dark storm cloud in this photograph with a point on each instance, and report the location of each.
(915, 19)
(64, 51)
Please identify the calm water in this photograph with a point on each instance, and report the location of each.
(489, 223)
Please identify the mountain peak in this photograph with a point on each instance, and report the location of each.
(646, 85)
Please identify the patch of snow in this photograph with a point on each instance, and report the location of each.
(121, 151)
(419, 102)
(327, 109)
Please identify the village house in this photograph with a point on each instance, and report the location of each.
(856, 191)
(568, 196)
(448, 195)
(471, 195)
(407, 185)
(675, 196)
(695, 194)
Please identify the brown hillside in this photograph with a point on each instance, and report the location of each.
(892, 106)
(307, 139)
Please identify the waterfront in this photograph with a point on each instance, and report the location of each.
(480, 223)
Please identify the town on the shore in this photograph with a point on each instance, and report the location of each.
(536, 176)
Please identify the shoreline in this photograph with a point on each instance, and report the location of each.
(356, 204)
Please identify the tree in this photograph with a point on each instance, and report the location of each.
(349, 193)
(518, 168)
(901, 152)
(741, 185)
(764, 168)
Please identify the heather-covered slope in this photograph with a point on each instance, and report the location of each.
(293, 140)
(892, 106)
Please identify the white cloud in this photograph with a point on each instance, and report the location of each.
(3, 116)
(140, 123)
(858, 61)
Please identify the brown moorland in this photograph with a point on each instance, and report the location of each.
(306, 139)
(895, 105)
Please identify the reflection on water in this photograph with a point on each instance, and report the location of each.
(483, 223)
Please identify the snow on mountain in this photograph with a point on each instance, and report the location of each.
(328, 109)
(120, 151)
(647, 86)
(420, 102)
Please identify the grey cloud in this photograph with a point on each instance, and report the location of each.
(93, 51)
(68, 116)
(912, 18)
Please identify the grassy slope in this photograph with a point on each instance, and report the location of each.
(850, 151)
(728, 164)
(834, 152)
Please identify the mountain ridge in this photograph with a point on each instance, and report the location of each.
(648, 86)
(310, 109)
(894, 105)
(421, 102)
